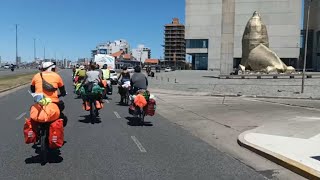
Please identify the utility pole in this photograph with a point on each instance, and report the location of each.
(44, 53)
(17, 45)
(34, 49)
(305, 49)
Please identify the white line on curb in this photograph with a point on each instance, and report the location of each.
(117, 114)
(141, 148)
(21, 115)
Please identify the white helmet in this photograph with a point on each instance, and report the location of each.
(48, 66)
(82, 67)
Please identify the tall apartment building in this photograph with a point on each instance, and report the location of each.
(174, 43)
(214, 30)
(141, 53)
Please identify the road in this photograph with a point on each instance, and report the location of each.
(112, 149)
(5, 72)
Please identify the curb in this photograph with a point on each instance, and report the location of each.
(12, 89)
(232, 95)
(281, 160)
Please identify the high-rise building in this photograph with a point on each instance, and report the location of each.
(174, 43)
(214, 30)
(141, 53)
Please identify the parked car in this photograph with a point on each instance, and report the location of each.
(130, 69)
(168, 69)
(158, 68)
(6, 66)
(113, 77)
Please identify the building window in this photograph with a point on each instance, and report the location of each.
(197, 43)
(318, 43)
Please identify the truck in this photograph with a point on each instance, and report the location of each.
(102, 59)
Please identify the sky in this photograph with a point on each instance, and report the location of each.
(72, 28)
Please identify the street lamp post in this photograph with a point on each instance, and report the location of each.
(34, 49)
(17, 45)
(141, 58)
(305, 48)
(44, 53)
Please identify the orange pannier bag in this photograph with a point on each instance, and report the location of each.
(30, 134)
(44, 114)
(140, 101)
(104, 83)
(56, 134)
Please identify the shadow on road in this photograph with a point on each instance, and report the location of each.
(54, 156)
(87, 119)
(122, 104)
(134, 121)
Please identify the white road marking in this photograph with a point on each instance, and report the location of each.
(21, 115)
(141, 148)
(117, 114)
(107, 101)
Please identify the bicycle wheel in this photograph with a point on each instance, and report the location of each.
(127, 98)
(43, 149)
(93, 112)
(142, 115)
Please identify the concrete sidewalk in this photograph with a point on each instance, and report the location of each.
(293, 143)
(196, 92)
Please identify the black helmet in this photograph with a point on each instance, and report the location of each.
(137, 69)
(105, 66)
(124, 67)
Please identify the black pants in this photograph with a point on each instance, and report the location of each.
(61, 106)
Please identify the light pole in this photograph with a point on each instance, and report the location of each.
(44, 53)
(16, 44)
(34, 49)
(305, 49)
(141, 58)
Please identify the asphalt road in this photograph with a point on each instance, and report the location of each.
(112, 149)
(5, 72)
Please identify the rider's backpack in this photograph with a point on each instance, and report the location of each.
(140, 101)
(29, 132)
(56, 134)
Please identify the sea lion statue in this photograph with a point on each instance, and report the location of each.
(256, 55)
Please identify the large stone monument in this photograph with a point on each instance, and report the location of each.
(256, 55)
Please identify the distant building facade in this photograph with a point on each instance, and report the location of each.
(313, 52)
(141, 53)
(174, 43)
(214, 30)
(111, 47)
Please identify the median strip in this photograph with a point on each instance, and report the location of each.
(13, 81)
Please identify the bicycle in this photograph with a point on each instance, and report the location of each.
(43, 135)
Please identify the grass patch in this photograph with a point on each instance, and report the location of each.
(12, 81)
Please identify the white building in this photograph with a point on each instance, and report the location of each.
(141, 52)
(214, 30)
(112, 47)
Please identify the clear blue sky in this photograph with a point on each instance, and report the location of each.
(71, 28)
